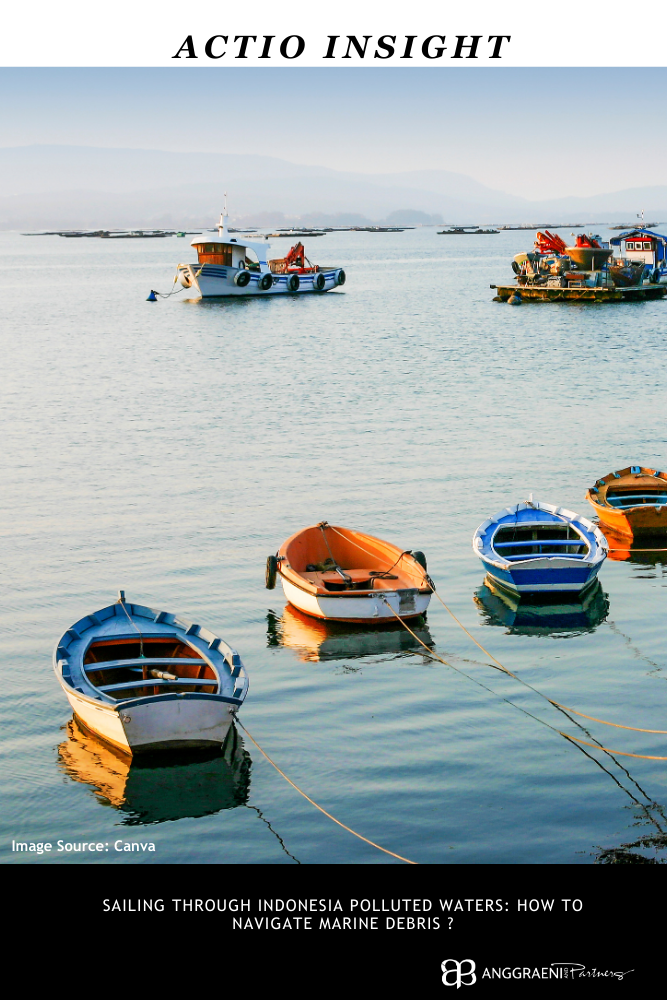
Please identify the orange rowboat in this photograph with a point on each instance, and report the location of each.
(344, 575)
(631, 502)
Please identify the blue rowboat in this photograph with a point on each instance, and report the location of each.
(532, 548)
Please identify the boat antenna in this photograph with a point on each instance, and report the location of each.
(224, 219)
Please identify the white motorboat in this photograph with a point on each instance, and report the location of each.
(236, 266)
(146, 680)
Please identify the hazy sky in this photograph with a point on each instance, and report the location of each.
(532, 132)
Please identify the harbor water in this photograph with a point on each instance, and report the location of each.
(168, 448)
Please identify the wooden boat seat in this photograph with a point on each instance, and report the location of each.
(544, 547)
(355, 575)
(148, 662)
(635, 499)
(540, 542)
(159, 682)
(361, 579)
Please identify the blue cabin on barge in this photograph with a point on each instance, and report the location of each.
(647, 246)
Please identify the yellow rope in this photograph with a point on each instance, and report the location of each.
(374, 555)
(621, 753)
(313, 803)
(592, 718)
(597, 746)
(461, 625)
(636, 550)
(617, 725)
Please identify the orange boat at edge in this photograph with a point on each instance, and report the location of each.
(631, 502)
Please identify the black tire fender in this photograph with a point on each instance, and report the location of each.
(420, 558)
(242, 278)
(340, 277)
(516, 267)
(655, 277)
(319, 281)
(265, 282)
(271, 572)
(293, 283)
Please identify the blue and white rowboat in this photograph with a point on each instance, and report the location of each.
(148, 680)
(533, 548)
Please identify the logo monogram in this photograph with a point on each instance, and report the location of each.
(454, 973)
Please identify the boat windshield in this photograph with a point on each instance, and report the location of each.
(530, 541)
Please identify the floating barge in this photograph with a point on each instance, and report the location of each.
(545, 293)
(587, 272)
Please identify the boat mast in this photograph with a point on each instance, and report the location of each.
(223, 232)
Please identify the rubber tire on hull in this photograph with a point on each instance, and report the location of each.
(340, 279)
(293, 283)
(420, 558)
(242, 279)
(319, 281)
(271, 572)
(655, 277)
(265, 282)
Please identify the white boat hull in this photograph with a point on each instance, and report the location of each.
(215, 280)
(365, 608)
(178, 722)
(149, 707)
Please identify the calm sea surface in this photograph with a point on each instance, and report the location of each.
(167, 448)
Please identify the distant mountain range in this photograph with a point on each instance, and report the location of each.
(69, 187)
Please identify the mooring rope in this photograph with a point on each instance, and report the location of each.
(550, 701)
(592, 718)
(504, 669)
(635, 729)
(317, 806)
(121, 601)
(174, 291)
(406, 552)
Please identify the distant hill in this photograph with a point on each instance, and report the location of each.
(50, 187)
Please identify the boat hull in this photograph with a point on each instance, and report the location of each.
(646, 519)
(121, 687)
(539, 576)
(216, 281)
(363, 608)
(177, 722)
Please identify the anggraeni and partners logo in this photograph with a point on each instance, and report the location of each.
(465, 973)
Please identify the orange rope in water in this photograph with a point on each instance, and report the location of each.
(314, 803)
(597, 746)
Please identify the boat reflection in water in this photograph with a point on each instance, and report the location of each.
(154, 788)
(521, 616)
(647, 551)
(313, 639)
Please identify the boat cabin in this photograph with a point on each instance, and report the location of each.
(230, 253)
(643, 246)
